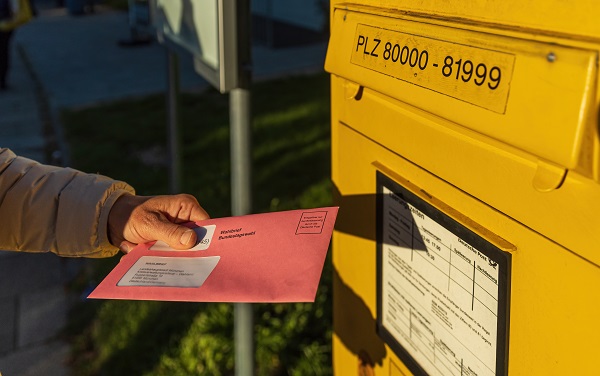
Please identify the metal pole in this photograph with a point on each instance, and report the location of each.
(173, 122)
(241, 166)
(241, 203)
(244, 339)
(241, 177)
(270, 25)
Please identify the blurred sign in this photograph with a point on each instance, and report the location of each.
(207, 29)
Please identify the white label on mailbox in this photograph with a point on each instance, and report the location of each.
(472, 74)
(439, 294)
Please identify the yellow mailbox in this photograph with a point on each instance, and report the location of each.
(465, 154)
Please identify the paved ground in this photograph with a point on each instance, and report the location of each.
(61, 61)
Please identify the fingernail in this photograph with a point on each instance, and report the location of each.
(185, 238)
(124, 248)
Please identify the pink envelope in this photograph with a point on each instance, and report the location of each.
(271, 257)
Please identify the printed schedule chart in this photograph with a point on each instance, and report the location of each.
(440, 296)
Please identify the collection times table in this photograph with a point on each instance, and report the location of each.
(440, 296)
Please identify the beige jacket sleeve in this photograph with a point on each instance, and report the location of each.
(53, 209)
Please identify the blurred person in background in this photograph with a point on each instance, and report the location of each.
(13, 13)
(70, 213)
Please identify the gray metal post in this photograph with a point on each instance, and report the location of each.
(241, 166)
(173, 122)
(241, 178)
(270, 25)
(241, 203)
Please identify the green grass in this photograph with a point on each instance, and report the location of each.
(291, 169)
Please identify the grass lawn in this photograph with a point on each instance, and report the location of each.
(291, 169)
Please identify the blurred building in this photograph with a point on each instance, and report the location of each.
(284, 23)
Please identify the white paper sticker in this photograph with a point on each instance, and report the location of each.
(169, 271)
(439, 294)
(204, 235)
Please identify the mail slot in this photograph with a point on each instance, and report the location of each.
(465, 159)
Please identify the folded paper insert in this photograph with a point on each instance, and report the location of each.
(270, 257)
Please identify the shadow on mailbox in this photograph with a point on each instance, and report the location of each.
(358, 217)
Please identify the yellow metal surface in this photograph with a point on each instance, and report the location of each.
(553, 17)
(553, 330)
(518, 164)
(475, 75)
(502, 176)
(550, 86)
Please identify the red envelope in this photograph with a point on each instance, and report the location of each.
(270, 257)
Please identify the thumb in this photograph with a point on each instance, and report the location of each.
(176, 236)
(126, 246)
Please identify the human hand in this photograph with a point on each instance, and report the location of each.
(138, 219)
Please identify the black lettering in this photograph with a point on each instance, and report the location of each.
(423, 64)
(361, 41)
(375, 48)
(404, 56)
(413, 53)
(365, 52)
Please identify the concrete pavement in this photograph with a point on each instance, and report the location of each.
(60, 61)
(79, 61)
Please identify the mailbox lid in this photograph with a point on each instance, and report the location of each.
(548, 16)
(533, 95)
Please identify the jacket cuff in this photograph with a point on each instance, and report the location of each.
(82, 219)
(105, 248)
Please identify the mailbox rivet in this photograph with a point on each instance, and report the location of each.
(344, 17)
(551, 57)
